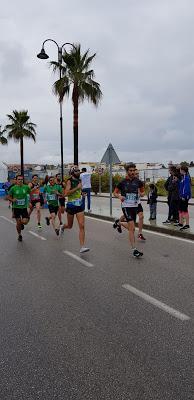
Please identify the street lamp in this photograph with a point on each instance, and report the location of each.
(44, 56)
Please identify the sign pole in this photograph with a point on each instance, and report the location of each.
(110, 162)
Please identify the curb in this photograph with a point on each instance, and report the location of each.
(160, 229)
(158, 200)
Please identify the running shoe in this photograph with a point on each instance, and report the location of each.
(39, 225)
(47, 220)
(137, 253)
(167, 222)
(84, 249)
(115, 223)
(141, 237)
(22, 227)
(184, 228)
(57, 232)
(20, 238)
(178, 225)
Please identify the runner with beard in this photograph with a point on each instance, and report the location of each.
(18, 195)
(129, 191)
(36, 198)
(52, 192)
(75, 206)
(117, 223)
(61, 198)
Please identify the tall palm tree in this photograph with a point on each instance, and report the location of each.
(76, 73)
(3, 139)
(20, 128)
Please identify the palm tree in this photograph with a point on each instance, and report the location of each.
(76, 73)
(20, 128)
(3, 139)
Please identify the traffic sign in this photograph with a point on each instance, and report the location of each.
(110, 156)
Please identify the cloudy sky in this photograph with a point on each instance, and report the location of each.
(144, 63)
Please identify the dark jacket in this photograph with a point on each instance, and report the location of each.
(152, 196)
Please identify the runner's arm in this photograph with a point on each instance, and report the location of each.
(68, 189)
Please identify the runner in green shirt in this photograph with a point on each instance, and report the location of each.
(52, 192)
(18, 195)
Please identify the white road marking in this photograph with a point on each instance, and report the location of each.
(7, 219)
(36, 235)
(166, 235)
(86, 263)
(157, 303)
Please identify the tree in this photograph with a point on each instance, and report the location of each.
(3, 139)
(19, 129)
(76, 73)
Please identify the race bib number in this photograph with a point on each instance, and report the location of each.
(52, 197)
(21, 202)
(75, 203)
(131, 200)
(35, 196)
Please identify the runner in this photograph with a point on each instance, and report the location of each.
(18, 195)
(75, 206)
(36, 198)
(128, 191)
(117, 223)
(61, 198)
(52, 192)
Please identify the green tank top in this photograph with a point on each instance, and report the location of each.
(76, 197)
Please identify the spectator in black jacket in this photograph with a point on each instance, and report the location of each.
(168, 186)
(152, 200)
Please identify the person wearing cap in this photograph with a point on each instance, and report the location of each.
(75, 206)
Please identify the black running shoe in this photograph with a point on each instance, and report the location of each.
(57, 232)
(47, 220)
(119, 229)
(115, 225)
(184, 227)
(137, 253)
(22, 227)
(20, 238)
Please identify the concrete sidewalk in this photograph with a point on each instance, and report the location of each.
(101, 209)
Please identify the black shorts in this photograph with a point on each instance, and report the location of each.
(130, 213)
(74, 210)
(34, 202)
(183, 205)
(20, 213)
(139, 208)
(53, 209)
(62, 201)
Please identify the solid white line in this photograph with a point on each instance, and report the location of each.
(157, 303)
(7, 219)
(86, 263)
(36, 235)
(166, 235)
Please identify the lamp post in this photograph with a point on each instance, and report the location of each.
(44, 56)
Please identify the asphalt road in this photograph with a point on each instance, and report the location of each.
(85, 328)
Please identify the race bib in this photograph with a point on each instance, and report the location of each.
(131, 200)
(75, 203)
(51, 197)
(35, 196)
(21, 202)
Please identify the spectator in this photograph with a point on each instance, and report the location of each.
(152, 201)
(86, 187)
(174, 198)
(168, 188)
(185, 195)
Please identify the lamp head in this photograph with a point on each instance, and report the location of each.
(42, 55)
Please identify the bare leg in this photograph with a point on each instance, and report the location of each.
(18, 225)
(38, 212)
(131, 227)
(140, 224)
(81, 223)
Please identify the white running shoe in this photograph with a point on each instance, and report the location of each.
(84, 249)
